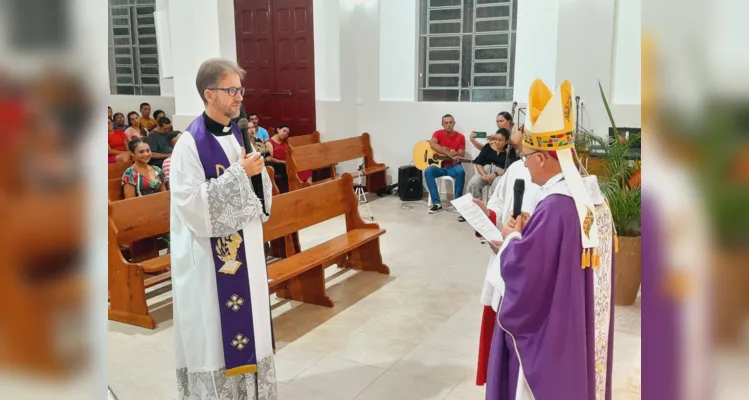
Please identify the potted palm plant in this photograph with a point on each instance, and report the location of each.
(619, 183)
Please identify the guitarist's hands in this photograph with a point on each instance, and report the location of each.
(452, 153)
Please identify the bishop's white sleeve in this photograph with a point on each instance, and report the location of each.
(215, 207)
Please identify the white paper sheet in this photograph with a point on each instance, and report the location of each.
(476, 218)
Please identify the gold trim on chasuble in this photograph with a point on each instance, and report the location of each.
(220, 169)
(602, 298)
(515, 346)
(227, 248)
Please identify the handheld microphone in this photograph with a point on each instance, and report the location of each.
(257, 180)
(244, 127)
(517, 206)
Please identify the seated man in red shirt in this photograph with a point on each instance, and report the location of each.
(450, 143)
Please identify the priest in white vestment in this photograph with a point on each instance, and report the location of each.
(220, 197)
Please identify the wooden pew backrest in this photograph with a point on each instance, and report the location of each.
(304, 140)
(321, 155)
(116, 170)
(115, 189)
(309, 206)
(140, 217)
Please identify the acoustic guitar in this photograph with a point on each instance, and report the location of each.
(425, 156)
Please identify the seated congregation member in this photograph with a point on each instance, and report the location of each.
(262, 133)
(160, 142)
(142, 179)
(258, 143)
(277, 148)
(119, 122)
(157, 115)
(117, 141)
(167, 166)
(504, 121)
(145, 117)
(109, 112)
(135, 130)
(490, 164)
(451, 143)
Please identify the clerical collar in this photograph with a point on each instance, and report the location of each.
(215, 127)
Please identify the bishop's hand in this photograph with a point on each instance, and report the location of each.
(495, 245)
(515, 224)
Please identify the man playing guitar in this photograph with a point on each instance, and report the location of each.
(448, 142)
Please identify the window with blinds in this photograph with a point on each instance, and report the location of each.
(133, 57)
(467, 50)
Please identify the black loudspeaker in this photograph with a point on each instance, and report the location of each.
(410, 187)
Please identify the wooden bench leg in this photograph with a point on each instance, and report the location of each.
(127, 302)
(376, 181)
(368, 258)
(308, 287)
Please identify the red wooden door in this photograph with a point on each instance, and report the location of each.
(275, 45)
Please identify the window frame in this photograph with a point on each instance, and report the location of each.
(132, 83)
(466, 88)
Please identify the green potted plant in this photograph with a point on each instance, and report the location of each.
(624, 196)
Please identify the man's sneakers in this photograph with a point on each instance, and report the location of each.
(438, 207)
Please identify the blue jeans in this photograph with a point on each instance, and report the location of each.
(455, 171)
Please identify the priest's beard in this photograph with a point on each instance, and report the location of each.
(227, 110)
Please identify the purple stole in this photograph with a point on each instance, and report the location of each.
(235, 306)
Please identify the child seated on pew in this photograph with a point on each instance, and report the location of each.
(142, 179)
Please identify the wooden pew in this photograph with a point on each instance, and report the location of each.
(313, 138)
(132, 220)
(278, 246)
(115, 189)
(271, 172)
(301, 276)
(303, 140)
(41, 279)
(319, 155)
(116, 170)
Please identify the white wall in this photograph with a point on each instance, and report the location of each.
(536, 46)
(398, 43)
(327, 50)
(627, 59)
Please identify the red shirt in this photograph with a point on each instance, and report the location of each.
(456, 142)
(117, 140)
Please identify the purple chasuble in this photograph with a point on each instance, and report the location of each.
(546, 318)
(237, 327)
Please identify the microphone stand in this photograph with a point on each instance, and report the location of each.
(359, 191)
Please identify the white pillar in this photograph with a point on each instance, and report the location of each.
(536, 46)
(200, 30)
(585, 55)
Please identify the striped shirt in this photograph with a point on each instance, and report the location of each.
(165, 167)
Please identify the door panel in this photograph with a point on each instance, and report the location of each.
(275, 45)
